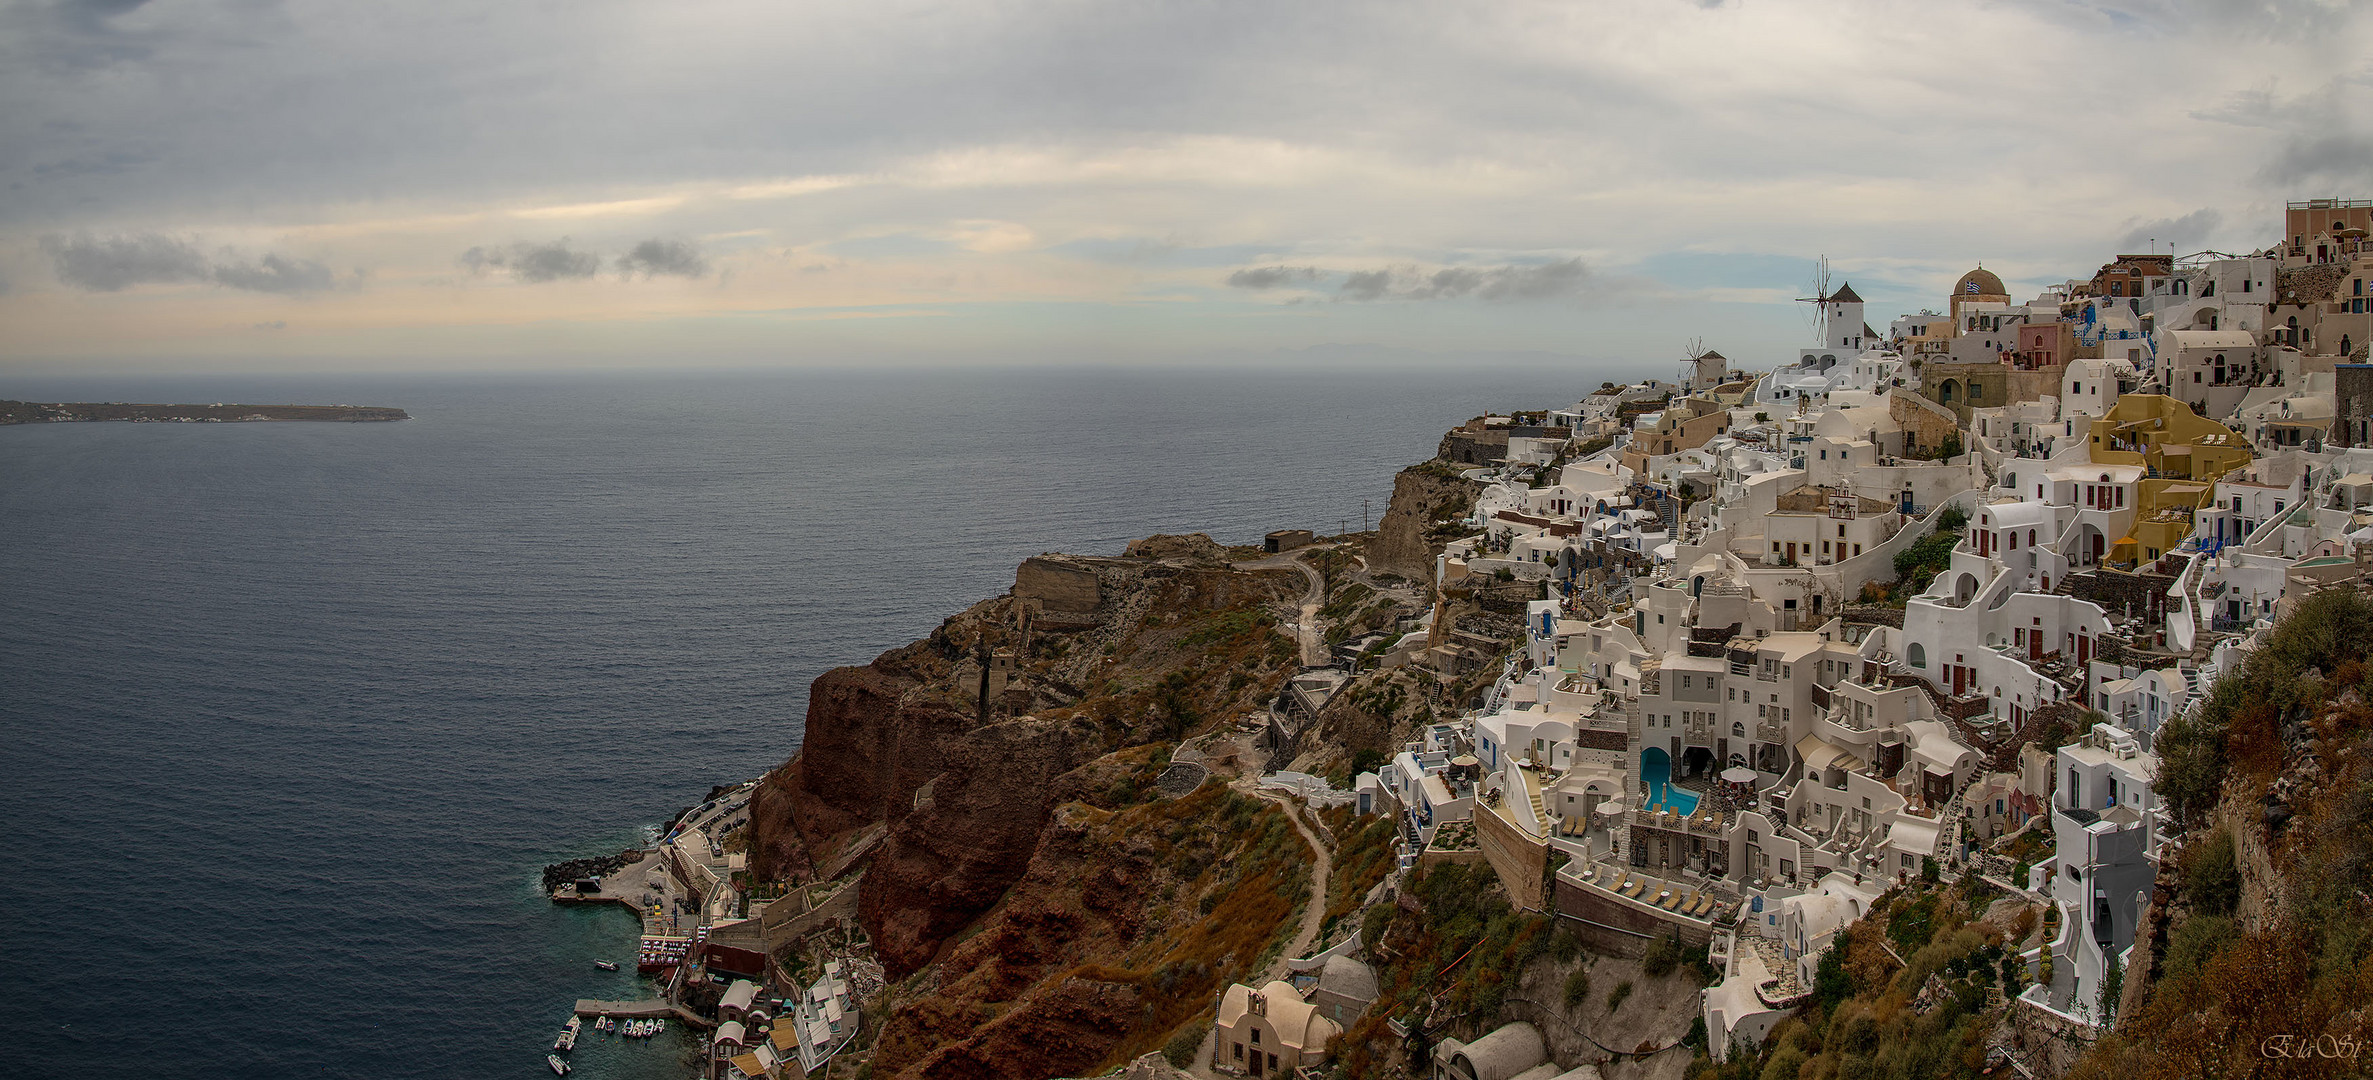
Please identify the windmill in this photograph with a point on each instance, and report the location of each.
(1693, 368)
(1820, 301)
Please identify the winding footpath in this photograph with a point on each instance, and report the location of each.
(1314, 647)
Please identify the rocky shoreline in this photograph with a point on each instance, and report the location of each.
(561, 873)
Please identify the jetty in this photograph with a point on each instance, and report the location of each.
(646, 1009)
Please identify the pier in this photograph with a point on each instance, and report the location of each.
(647, 1009)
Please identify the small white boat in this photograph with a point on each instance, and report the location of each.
(558, 1066)
(658, 1025)
(605, 965)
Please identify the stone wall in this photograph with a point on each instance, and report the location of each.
(1610, 926)
(1058, 583)
(1521, 861)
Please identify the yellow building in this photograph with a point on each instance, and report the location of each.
(2183, 454)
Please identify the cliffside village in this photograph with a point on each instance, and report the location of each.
(1801, 636)
(1716, 728)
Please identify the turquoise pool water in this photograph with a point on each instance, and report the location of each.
(1656, 767)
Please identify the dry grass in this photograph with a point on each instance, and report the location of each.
(1257, 883)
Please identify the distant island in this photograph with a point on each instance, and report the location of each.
(34, 412)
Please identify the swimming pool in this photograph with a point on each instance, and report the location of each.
(1656, 767)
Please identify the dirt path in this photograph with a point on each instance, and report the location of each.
(1314, 914)
(1314, 647)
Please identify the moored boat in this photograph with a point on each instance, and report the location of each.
(558, 1066)
(605, 965)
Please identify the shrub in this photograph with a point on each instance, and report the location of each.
(2196, 941)
(1566, 946)
(1180, 1050)
(1577, 988)
(1665, 955)
(1954, 519)
(1913, 923)
(1831, 983)
(1615, 997)
(2212, 880)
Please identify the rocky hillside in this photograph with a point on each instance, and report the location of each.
(2256, 955)
(1424, 498)
(942, 768)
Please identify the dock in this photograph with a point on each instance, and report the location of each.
(649, 1008)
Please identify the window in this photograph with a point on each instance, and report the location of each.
(1256, 1036)
(1239, 1051)
(1738, 730)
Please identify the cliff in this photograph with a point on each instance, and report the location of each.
(1126, 925)
(1425, 498)
(939, 762)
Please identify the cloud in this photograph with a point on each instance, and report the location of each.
(1270, 277)
(2329, 156)
(276, 324)
(116, 263)
(1504, 283)
(277, 274)
(1365, 285)
(674, 257)
(2188, 231)
(1493, 284)
(534, 262)
(120, 262)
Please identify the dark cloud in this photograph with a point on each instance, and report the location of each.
(2324, 133)
(1504, 283)
(1495, 284)
(673, 257)
(1365, 285)
(1270, 277)
(112, 264)
(120, 262)
(2332, 156)
(276, 274)
(2187, 232)
(534, 262)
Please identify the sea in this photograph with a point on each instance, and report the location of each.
(295, 713)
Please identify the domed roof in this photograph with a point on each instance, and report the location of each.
(1979, 282)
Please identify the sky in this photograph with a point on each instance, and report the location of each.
(264, 185)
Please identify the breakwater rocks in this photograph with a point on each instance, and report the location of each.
(35, 412)
(561, 873)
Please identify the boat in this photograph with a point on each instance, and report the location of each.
(558, 1066)
(605, 965)
(659, 1025)
(568, 1035)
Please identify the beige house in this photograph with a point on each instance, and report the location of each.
(1268, 1031)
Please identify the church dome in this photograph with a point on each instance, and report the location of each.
(1979, 282)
